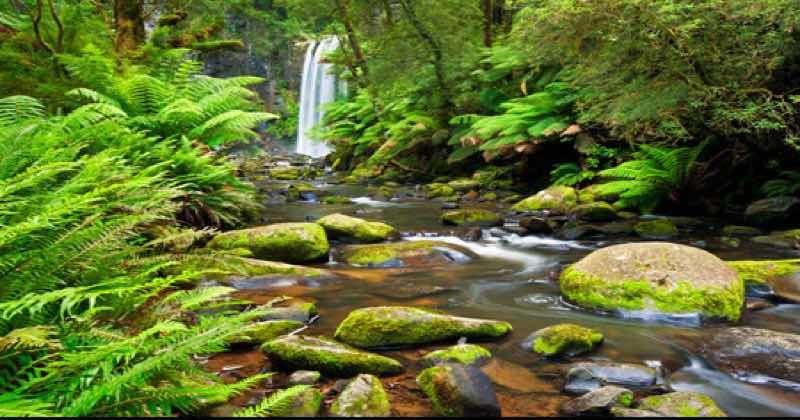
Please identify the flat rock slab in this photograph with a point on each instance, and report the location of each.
(329, 357)
(392, 326)
(755, 355)
(585, 377)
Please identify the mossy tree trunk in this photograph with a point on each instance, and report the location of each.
(488, 22)
(129, 24)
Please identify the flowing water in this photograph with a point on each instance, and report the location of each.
(318, 88)
(514, 281)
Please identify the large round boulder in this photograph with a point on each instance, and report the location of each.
(655, 277)
(286, 242)
(556, 199)
(340, 226)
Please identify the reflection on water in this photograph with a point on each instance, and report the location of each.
(515, 281)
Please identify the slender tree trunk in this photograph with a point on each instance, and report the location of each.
(436, 49)
(129, 23)
(36, 19)
(488, 22)
(57, 20)
(361, 62)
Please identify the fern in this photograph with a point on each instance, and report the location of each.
(276, 405)
(570, 174)
(787, 185)
(15, 109)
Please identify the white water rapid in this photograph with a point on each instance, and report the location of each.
(318, 89)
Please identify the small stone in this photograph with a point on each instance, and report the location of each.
(563, 340)
(304, 377)
(536, 225)
(598, 401)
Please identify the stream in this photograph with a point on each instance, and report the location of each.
(514, 281)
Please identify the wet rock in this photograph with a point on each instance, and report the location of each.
(681, 404)
(296, 311)
(438, 190)
(262, 332)
(656, 229)
(305, 403)
(405, 253)
(465, 354)
(536, 225)
(595, 212)
(624, 227)
(773, 212)
(339, 226)
(756, 304)
(471, 217)
(563, 340)
(782, 276)
(229, 268)
(412, 291)
(627, 215)
(458, 391)
(788, 239)
(490, 196)
(364, 396)
(327, 356)
(287, 173)
(304, 377)
(741, 231)
(599, 401)
(556, 199)
(473, 235)
(755, 355)
(589, 376)
(388, 326)
(464, 185)
(285, 242)
(655, 277)
(301, 192)
(336, 199)
(448, 205)
(632, 412)
(470, 196)
(224, 410)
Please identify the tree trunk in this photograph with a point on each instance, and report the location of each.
(361, 62)
(436, 49)
(129, 23)
(488, 22)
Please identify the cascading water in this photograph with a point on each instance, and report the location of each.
(318, 88)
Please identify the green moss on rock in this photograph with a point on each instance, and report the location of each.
(557, 199)
(437, 190)
(336, 199)
(596, 212)
(659, 277)
(388, 326)
(262, 332)
(656, 229)
(761, 272)
(342, 226)
(287, 173)
(471, 217)
(565, 340)
(465, 354)
(364, 396)
(682, 404)
(464, 185)
(230, 265)
(327, 356)
(383, 254)
(741, 231)
(286, 242)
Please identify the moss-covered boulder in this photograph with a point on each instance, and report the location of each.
(788, 239)
(681, 404)
(388, 326)
(472, 217)
(741, 231)
(655, 277)
(773, 212)
(595, 212)
(405, 253)
(465, 354)
(335, 199)
(463, 185)
(595, 192)
(457, 390)
(229, 267)
(585, 377)
(364, 396)
(295, 311)
(656, 229)
(564, 340)
(286, 242)
(327, 356)
(438, 190)
(556, 199)
(340, 226)
(286, 173)
(782, 276)
(261, 332)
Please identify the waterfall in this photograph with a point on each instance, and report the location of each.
(318, 88)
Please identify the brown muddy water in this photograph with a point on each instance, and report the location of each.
(514, 281)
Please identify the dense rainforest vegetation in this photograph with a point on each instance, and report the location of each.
(118, 120)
